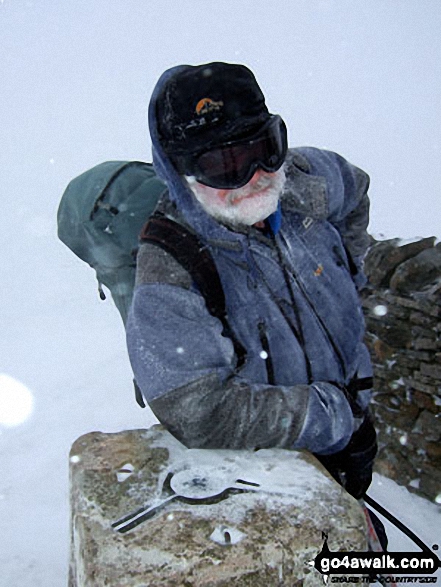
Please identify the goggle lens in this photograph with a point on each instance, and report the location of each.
(232, 165)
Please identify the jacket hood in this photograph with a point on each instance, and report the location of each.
(179, 193)
(161, 162)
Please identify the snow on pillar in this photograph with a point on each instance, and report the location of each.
(147, 511)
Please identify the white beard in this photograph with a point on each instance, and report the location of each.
(246, 205)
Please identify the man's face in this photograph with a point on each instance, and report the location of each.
(247, 205)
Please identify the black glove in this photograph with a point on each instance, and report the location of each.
(352, 466)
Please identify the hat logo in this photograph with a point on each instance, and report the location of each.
(207, 105)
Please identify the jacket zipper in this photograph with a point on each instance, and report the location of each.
(298, 333)
(267, 357)
(310, 304)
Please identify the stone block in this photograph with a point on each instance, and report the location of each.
(423, 384)
(432, 371)
(425, 401)
(385, 256)
(426, 344)
(429, 425)
(421, 319)
(402, 418)
(395, 334)
(391, 463)
(417, 448)
(382, 351)
(430, 484)
(434, 452)
(418, 356)
(418, 272)
(244, 518)
(421, 304)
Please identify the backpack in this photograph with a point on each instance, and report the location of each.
(100, 216)
(103, 216)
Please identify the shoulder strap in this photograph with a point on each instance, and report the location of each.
(186, 249)
(194, 257)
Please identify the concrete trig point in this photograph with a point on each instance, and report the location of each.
(147, 512)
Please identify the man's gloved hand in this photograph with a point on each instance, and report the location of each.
(352, 466)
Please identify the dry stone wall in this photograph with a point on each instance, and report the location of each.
(402, 306)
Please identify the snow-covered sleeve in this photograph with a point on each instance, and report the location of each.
(187, 371)
(347, 201)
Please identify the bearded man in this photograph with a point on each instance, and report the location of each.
(286, 230)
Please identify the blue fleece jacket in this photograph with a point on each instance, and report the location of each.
(292, 302)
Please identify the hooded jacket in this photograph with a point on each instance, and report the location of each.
(292, 303)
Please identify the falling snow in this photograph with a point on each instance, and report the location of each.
(403, 439)
(380, 310)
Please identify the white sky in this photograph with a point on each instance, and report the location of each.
(361, 78)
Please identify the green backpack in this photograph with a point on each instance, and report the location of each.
(103, 216)
(100, 217)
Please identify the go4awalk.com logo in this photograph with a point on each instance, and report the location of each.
(366, 567)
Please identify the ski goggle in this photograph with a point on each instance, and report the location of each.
(232, 164)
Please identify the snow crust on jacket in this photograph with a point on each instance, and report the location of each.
(291, 301)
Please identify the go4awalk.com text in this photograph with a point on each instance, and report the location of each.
(388, 580)
(364, 567)
(381, 563)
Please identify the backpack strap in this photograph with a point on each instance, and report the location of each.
(186, 248)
